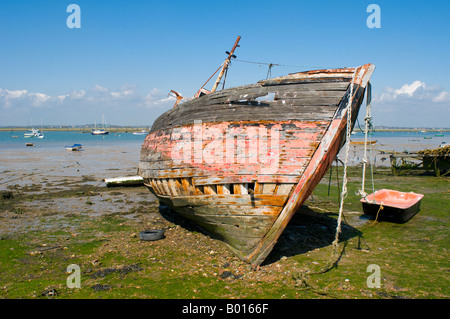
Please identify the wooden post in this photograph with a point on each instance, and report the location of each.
(393, 164)
(437, 170)
(225, 65)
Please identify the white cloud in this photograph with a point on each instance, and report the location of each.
(413, 104)
(99, 88)
(98, 94)
(10, 98)
(12, 94)
(125, 103)
(409, 89)
(121, 94)
(156, 98)
(442, 97)
(417, 90)
(38, 98)
(77, 94)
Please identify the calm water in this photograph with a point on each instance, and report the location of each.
(398, 141)
(102, 156)
(117, 154)
(59, 139)
(405, 141)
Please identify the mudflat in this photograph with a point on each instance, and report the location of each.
(56, 211)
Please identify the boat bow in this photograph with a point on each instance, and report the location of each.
(239, 162)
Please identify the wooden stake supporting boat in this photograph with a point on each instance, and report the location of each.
(239, 162)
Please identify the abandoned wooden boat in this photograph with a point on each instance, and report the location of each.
(392, 205)
(239, 162)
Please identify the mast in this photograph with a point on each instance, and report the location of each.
(226, 64)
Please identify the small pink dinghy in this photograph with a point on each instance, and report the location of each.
(395, 206)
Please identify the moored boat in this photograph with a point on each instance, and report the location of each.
(100, 131)
(32, 133)
(240, 162)
(142, 132)
(74, 147)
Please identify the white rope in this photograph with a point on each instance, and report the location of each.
(302, 277)
(367, 119)
(347, 149)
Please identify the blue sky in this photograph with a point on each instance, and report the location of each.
(128, 55)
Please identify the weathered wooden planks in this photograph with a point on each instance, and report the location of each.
(236, 152)
(239, 161)
(239, 219)
(240, 232)
(235, 199)
(315, 100)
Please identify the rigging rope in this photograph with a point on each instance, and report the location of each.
(302, 277)
(368, 124)
(211, 76)
(347, 151)
(269, 71)
(287, 65)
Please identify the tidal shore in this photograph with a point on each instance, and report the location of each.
(56, 211)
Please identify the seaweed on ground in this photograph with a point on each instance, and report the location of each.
(440, 151)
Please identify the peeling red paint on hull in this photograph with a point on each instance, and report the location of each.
(240, 165)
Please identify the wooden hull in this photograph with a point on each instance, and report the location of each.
(241, 161)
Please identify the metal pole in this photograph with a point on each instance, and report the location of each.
(225, 65)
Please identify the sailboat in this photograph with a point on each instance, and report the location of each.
(40, 134)
(32, 133)
(141, 132)
(101, 131)
(241, 161)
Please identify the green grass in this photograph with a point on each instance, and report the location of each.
(413, 257)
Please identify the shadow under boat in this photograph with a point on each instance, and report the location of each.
(306, 231)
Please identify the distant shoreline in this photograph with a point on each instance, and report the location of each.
(74, 129)
(136, 129)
